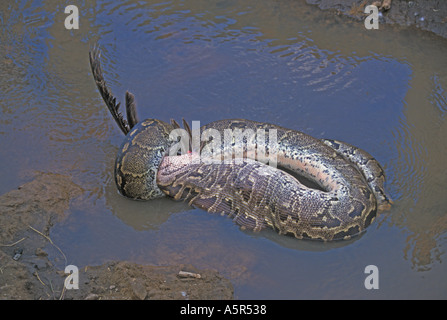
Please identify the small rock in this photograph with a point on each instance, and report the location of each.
(152, 293)
(17, 254)
(139, 290)
(92, 296)
(39, 252)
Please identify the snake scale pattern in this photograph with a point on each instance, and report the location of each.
(348, 183)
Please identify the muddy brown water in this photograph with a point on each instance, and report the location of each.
(283, 62)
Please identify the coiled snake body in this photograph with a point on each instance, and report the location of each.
(350, 182)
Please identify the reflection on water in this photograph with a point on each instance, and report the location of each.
(278, 61)
(141, 215)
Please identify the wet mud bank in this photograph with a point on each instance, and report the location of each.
(429, 15)
(32, 265)
(27, 271)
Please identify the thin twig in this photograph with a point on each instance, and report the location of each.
(12, 244)
(38, 278)
(51, 241)
(52, 290)
(63, 293)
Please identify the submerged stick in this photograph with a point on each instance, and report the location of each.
(12, 244)
(51, 241)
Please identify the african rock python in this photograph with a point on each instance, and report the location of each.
(255, 195)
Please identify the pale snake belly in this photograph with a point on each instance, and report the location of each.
(255, 195)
